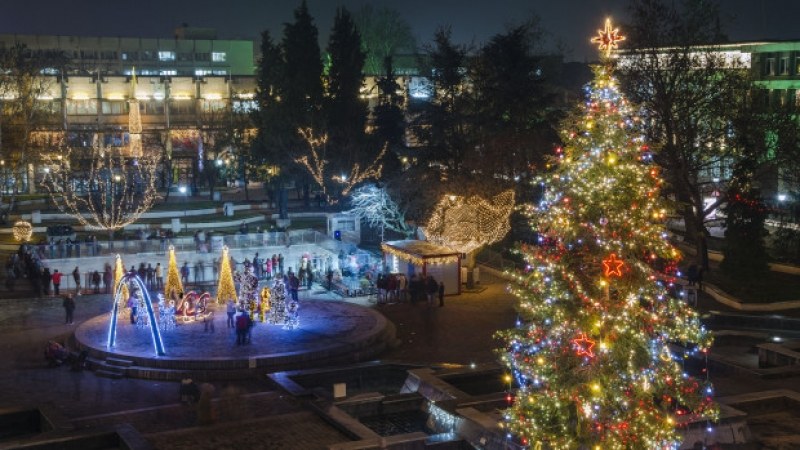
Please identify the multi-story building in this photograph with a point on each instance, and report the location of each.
(180, 85)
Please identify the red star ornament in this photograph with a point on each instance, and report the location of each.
(584, 345)
(612, 267)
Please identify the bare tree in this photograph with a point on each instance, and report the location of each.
(690, 91)
(26, 80)
(100, 187)
(375, 206)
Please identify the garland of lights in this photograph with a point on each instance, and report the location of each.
(226, 289)
(173, 287)
(591, 356)
(466, 224)
(22, 231)
(418, 260)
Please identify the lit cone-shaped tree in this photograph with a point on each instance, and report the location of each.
(173, 285)
(591, 355)
(225, 289)
(119, 271)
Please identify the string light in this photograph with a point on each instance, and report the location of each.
(173, 286)
(316, 165)
(119, 272)
(466, 224)
(419, 252)
(22, 230)
(121, 189)
(226, 289)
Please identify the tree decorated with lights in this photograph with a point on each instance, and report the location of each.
(226, 290)
(119, 272)
(173, 285)
(592, 355)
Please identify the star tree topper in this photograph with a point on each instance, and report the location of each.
(608, 39)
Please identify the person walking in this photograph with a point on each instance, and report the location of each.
(107, 279)
(56, 281)
(76, 275)
(242, 327)
(432, 289)
(150, 276)
(69, 308)
(46, 278)
(133, 304)
(96, 281)
(159, 276)
(230, 309)
(441, 294)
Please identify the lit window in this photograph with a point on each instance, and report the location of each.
(166, 56)
(168, 72)
(218, 56)
(201, 72)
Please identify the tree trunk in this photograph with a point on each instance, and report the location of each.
(283, 200)
(470, 263)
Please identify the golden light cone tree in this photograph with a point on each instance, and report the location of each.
(226, 290)
(173, 284)
(119, 272)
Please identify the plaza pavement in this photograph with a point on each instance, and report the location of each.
(250, 413)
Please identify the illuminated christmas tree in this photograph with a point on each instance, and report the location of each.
(119, 271)
(225, 289)
(173, 284)
(598, 355)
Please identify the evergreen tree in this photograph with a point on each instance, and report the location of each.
(513, 104)
(301, 93)
(389, 119)
(346, 112)
(591, 355)
(443, 124)
(745, 215)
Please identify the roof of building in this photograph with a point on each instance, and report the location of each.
(422, 249)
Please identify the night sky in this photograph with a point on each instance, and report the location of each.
(570, 23)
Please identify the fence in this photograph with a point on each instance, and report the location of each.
(211, 242)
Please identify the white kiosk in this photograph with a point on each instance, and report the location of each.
(424, 257)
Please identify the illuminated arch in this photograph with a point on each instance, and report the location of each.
(158, 344)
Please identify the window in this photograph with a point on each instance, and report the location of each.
(213, 105)
(184, 56)
(784, 66)
(166, 56)
(202, 56)
(769, 67)
(218, 56)
(88, 54)
(219, 72)
(114, 107)
(130, 56)
(181, 107)
(108, 54)
(202, 72)
(147, 55)
(168, 72)
(81, 107)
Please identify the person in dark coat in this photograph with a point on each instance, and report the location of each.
(441, 294)
(69, 308)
